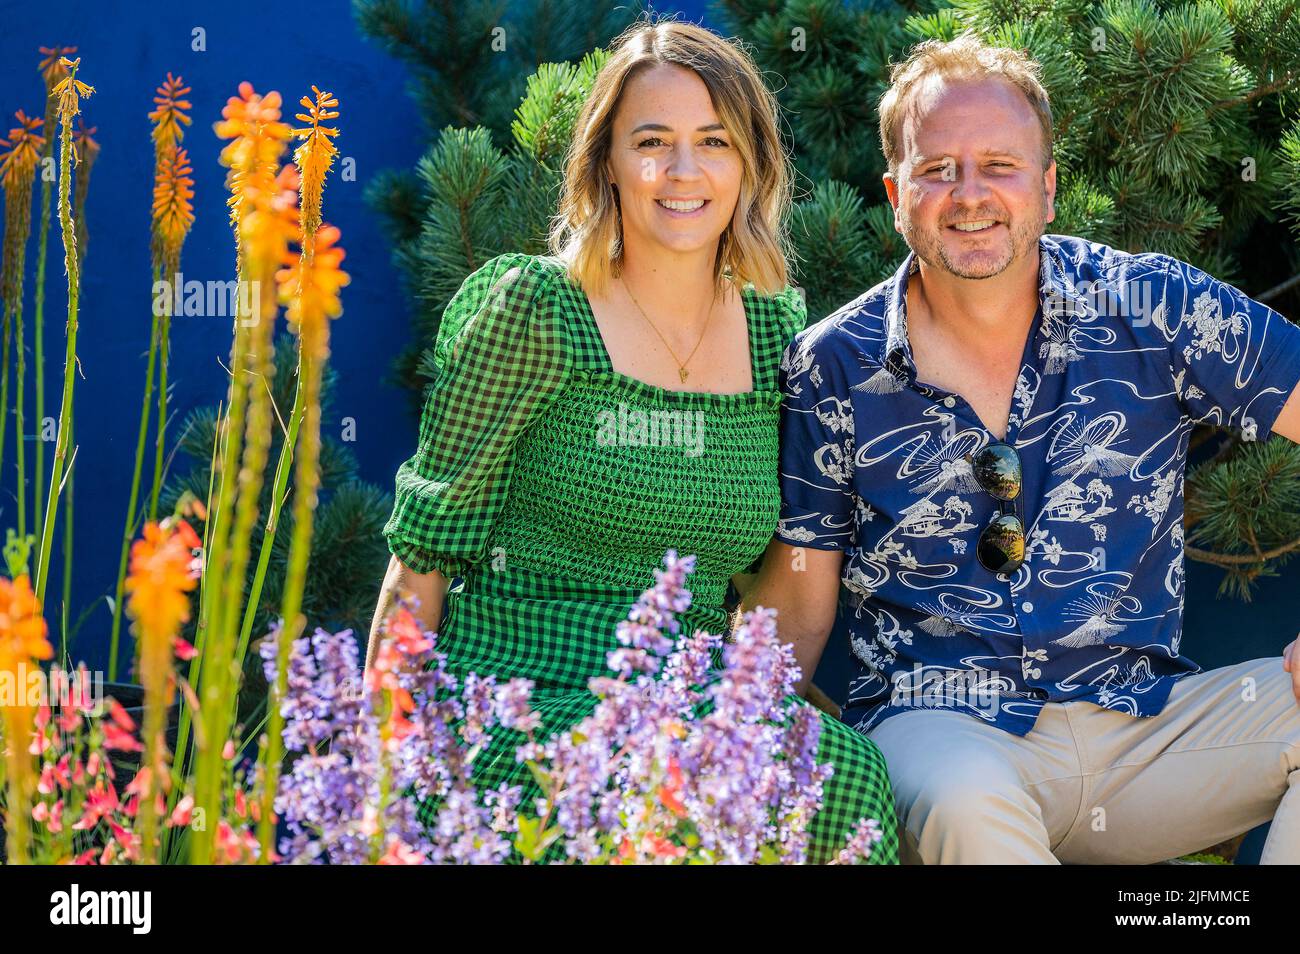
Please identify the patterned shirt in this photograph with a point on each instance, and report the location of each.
(1125, 354)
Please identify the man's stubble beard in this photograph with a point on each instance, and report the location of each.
(930, 249)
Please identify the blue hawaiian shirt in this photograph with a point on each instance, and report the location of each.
(1125, 354)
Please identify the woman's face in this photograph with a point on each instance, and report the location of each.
(676, 168)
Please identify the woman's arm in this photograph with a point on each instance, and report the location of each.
(429, 588)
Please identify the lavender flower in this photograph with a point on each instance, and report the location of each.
(676, 760)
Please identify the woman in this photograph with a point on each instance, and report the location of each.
(528, 482)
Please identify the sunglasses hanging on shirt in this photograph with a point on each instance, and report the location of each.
(1001, 547)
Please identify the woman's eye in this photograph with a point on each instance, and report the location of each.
(716, 141)
(652, 141)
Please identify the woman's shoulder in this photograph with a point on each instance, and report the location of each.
(506, 298)
(785, 311)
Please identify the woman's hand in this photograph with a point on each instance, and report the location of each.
(429, 588)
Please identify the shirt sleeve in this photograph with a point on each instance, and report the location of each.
(818, 503)
(1235, 361)
(790, 316)
(502, 357)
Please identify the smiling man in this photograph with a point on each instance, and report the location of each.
(987, 452)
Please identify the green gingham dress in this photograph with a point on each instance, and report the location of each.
(533, 486)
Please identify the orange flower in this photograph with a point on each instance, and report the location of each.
(22, 628)
(70, 90)
(173, 212)
(316, 155)
(169, 115)
(18, 163)
(310, 285)
(163, 572)
(257, 139)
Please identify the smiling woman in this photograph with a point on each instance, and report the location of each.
(666, 298)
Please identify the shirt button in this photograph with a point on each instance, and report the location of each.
(1027, 607)
(950, 401)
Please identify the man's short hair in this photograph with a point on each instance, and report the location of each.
(964, 57)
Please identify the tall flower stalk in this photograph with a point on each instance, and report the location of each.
(18, 165)
(52, 72)
(70, 91)
(264, 212)
(173, 216)
(88, 149)
(309, 286)
(163, 572)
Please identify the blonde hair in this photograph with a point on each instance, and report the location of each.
(587, 230)
(962, 58)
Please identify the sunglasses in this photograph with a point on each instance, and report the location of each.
(1001, 547)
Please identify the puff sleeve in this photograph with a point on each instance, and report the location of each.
(502, 356)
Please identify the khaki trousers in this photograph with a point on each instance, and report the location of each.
(1097, 786)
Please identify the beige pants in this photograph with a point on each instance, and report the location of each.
(1096, 786)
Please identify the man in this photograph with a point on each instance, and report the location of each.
(988, 451)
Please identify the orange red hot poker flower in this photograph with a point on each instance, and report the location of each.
(163, 572)
(170, 114)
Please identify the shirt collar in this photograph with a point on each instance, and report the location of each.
(1059, 299)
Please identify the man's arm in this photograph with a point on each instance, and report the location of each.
(802, 584)
(1288, 422)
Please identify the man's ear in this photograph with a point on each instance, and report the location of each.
(1049, 185)
(890, 179)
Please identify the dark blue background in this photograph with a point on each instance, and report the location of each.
(286, 45)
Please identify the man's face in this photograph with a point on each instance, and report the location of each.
(971, 156)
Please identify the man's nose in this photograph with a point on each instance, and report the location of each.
(968, 186)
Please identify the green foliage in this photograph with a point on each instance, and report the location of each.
(348, 553)
(1244, 503)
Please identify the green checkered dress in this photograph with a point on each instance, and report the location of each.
(551, 485)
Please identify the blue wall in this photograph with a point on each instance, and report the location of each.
(126, 50)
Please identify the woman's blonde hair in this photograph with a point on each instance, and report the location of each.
(964, 57)
(587, 230)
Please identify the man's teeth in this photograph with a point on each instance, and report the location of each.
(677, 206)
(975, 226)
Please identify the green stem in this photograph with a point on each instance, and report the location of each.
(4, 387)
(306, 486)
(281, 481)
(128, 533)
(67, 551)
(73, 269)
(164, 333)
(20, 429)
(182, 765)
(39, 354)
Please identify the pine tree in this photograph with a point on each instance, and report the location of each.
(487, 184)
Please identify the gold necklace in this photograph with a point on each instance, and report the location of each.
(681, 365)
